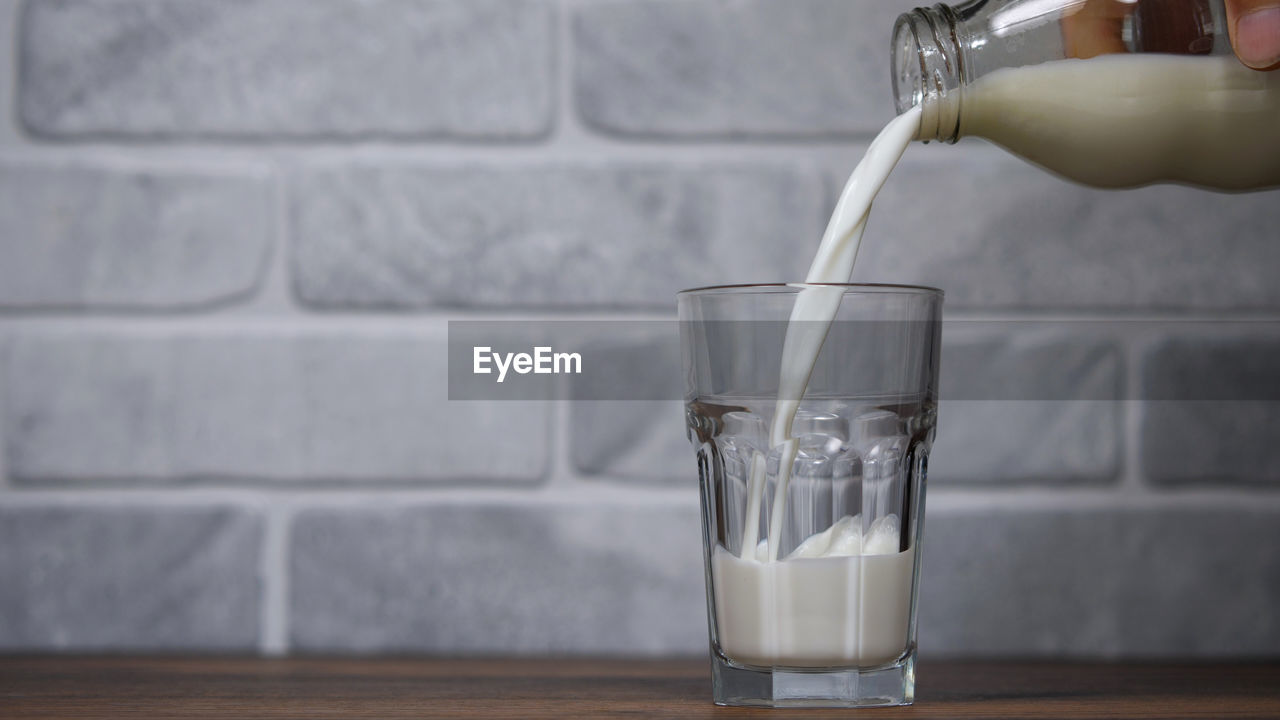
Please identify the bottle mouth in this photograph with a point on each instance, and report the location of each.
(927, 70)
(907, 60)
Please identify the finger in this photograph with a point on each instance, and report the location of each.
(1254, 26)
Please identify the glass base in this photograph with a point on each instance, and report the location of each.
(814, 687)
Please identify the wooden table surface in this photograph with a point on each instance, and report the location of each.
(125, 687)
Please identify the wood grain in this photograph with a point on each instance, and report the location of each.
(217, 687)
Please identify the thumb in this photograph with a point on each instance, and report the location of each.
(1255, 32)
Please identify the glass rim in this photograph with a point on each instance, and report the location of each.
(765, 288)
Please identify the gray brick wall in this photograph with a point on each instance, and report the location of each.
(231, 235)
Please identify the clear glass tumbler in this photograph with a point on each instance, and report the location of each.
(812, 573)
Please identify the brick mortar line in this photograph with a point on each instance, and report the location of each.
(301, 317)
(1243, 316)
(1132, 418)
(272, 292)
(283, 276)
(274, 569)
(560, 470)
(568, 127)
(6, 485)
(584, 146)
(564, 148)
(580, 144)
(1033, 498)
(593, 493)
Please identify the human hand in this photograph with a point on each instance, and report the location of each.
(1094, 27)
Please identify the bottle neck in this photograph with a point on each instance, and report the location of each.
(929, 69)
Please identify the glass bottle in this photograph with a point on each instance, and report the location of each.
(1110, 93)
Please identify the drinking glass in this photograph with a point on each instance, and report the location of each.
(812, 574)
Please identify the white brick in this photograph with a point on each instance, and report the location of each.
(85, 235)
(114, 577)
(287, 68)
(551, 236)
